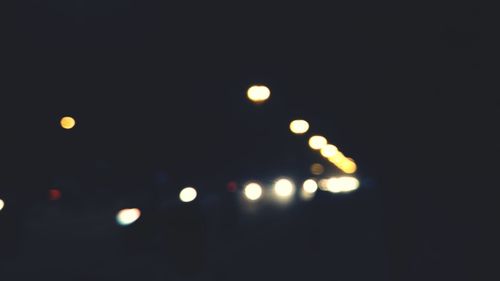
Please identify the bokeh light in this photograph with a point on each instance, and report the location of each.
(348, 166)
(284, 187)
(187, 194)
(337, 158)
(253, 191)
(128, 216)
(2, 204)
(323, 184)
(54, 194)
(232, 186)
(329, 150)
(68, 122)
(258, 93)
(310, 186)
(317, 142)
(299, 126)
(317, 169)
(342, 184)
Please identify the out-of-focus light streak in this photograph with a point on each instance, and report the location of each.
(299, 127)
(128, 216)
(187, 194)
(342, 184)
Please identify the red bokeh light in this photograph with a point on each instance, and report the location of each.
(232, 186)
(54, 194)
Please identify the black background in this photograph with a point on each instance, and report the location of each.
(158, 92)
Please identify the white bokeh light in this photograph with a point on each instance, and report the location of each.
(253, 191)
(258, 93)
(128, 216)
(329, 150)
(299, 127)
(187, 194)
(317, 142)
(310, 186)
(284, 188)
(2, 204)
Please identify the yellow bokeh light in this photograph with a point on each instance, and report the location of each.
(299, 126)
(317, 169)
(2, 204)
(253, 191)
(337, 158)
(258, 93)
(348, 166)
(329, 150)
(187, 194)
(68, 122)
(284, 188)
(317, 142)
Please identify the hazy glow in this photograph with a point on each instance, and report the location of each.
(2, 204)
(329, 150)
(258, 93)
(187, 194)
(310, 186)
(323, 184)
(128, 216)
(299, 126)
(317, 169)
(253, 191)
(68, 122)
(284, 188)
(342, 184)
(317, 142)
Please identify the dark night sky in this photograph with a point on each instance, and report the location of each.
(160, 87)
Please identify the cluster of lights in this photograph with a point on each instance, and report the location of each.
(283, 188)
(260, 93)
(332, 153)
